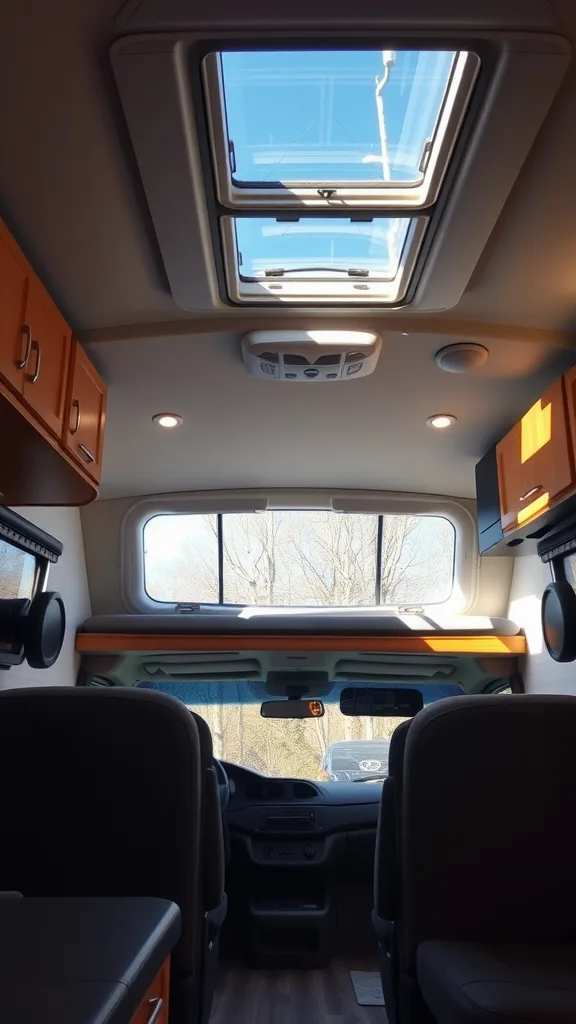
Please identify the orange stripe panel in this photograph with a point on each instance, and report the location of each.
(111, 643)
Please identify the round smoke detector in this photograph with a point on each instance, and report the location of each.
(463, 357)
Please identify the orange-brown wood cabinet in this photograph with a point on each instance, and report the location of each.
(46, 370)
(570, 393)
(535, 460)
(86, 414)
(154, 1007)
(14, 341)
(52, 401)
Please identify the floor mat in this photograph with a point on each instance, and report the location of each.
(368, 988)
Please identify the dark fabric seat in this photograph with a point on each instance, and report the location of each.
(488, 844)
(471, 983)
(387, 868)
(105, 794)
(212, 869)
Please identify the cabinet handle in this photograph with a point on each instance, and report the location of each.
(155, 1009)
(33, 377)
(21, 363)
(75, 405)
(86, 452)
(528, 494)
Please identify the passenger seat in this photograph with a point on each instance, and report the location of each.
(488, 849)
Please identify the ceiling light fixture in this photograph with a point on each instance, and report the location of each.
(441, 420)
(167, 419)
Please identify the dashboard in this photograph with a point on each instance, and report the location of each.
(284, 822)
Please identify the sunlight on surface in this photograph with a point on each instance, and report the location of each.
(536, 432)
(533, 509)
(470, 644)
(526, 611)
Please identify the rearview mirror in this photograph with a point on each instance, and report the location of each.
(292, 709)
(375, 703)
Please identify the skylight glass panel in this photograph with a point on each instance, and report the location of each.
(320, 248)
(320, 259)
(313, 115)
(324, 125)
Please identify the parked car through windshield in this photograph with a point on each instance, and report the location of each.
(356, 760)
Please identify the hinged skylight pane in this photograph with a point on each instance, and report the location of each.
(320, 259)
(365, 127)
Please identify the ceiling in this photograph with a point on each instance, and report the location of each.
(239, 431)
(70, 191)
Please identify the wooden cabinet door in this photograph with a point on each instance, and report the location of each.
(570, 389)
(86, 414)
(154, 1007)
(535, 460)
(14, 337)
(46, 373)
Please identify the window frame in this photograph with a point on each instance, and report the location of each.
(320, 290)
(132, 577)
(382, 197)
(161, 73)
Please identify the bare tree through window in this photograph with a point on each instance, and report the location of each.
(300, 558)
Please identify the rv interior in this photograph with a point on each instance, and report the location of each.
(288, 512)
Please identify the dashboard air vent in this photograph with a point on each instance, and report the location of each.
(304, 791)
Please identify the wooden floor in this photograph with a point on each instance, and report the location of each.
(248, 996)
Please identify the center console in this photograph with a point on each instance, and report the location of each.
(302, 857)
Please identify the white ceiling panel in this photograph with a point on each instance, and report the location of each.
(370, 433)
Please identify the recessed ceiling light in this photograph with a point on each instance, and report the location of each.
(167, 419)
(441, 420)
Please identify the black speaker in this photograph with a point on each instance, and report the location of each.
(559, 620)
(32, 629)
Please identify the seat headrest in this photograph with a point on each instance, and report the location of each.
(398, 748)
(479, 717)
(206, 747)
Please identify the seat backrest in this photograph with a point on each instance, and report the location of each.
(386, 866)
(101, 796)
(212, 860)
(488, 834)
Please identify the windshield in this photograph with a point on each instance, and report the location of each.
(336, 748)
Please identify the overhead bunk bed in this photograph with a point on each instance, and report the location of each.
(304, 630)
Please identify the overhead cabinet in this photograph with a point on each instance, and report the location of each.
(527, 484)
(52, 400)
(86, 414)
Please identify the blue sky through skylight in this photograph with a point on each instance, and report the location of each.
(318, 116)
(315, 242)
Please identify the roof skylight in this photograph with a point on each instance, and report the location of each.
(326, 127)
(320, 259)
(325, 162)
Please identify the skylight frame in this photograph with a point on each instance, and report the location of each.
(326, 290)
(385, 196)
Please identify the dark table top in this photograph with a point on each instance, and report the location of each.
(81, 961)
